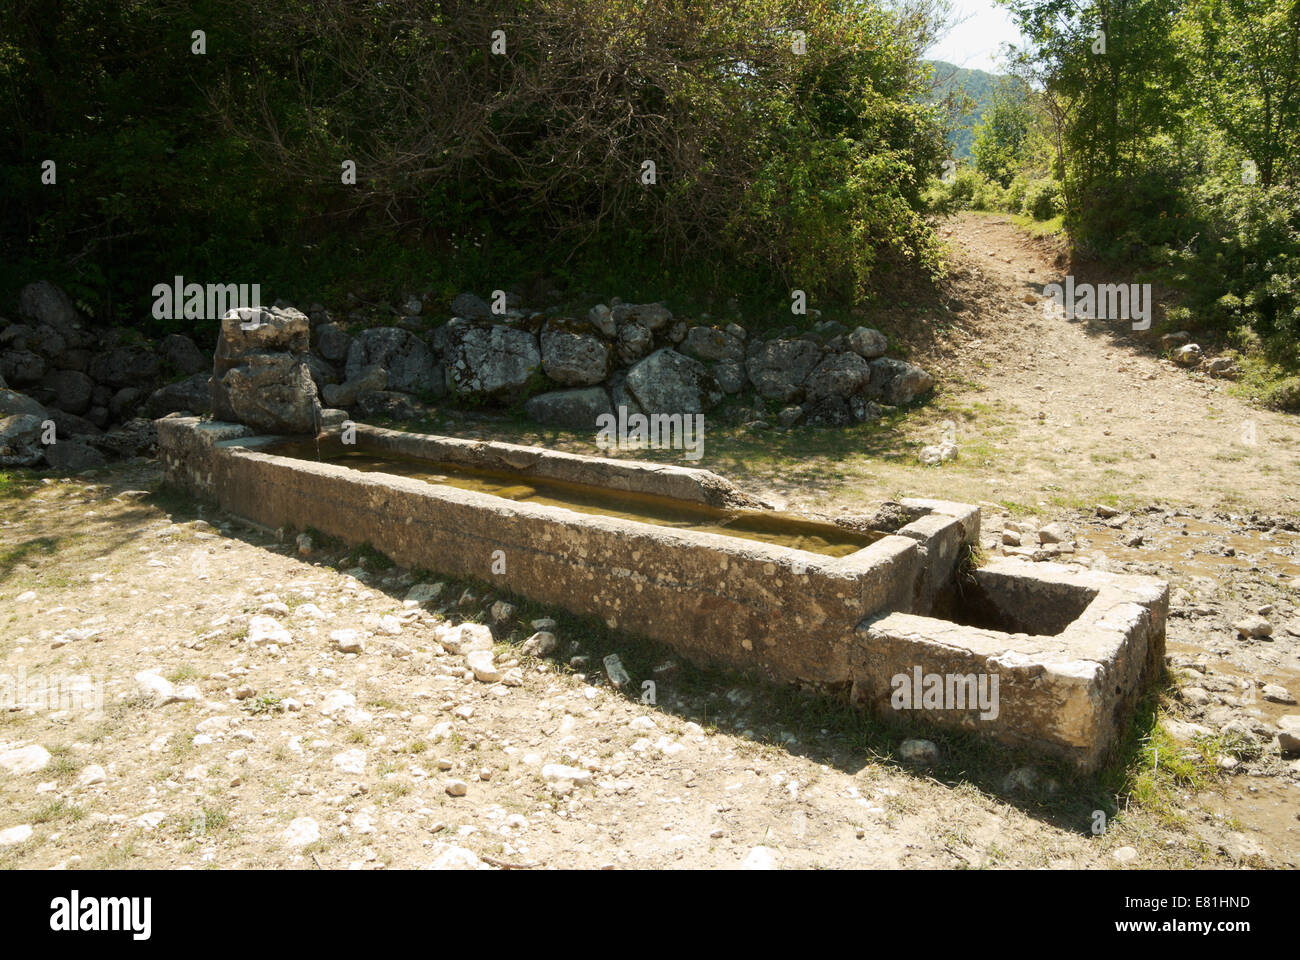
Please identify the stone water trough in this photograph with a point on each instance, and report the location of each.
(848, 608)
(855, 607)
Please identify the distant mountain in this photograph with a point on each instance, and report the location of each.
(950, 82)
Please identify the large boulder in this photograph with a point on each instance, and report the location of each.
(406, 359)
(838, 375)
(868, 343)
(668, 382)
(634, 342)
(21, 366)
(135, 438)
(897, 382)
(73, 456)
(68, 425)
(43, 302)
(71, 390)
(189, 394)
(182, 354)
(342, 396)
(333, 342)
(490, 362)
(20, 441)
(259, 373)
(778, 368)
(251, 330)
(652, 316)
(730, 375)
(573, 356)
(576, 409)
(470, 307)
(712, 344)
(270, 392)
(125, 366)
(13, 403)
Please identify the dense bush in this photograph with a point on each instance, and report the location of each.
(773, 167)
(1041, 199)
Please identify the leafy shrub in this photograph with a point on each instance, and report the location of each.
(1041, 200)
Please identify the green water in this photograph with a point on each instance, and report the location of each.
(767, 526)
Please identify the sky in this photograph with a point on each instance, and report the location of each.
(975, 43)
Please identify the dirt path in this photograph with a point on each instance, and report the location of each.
(1087, 408)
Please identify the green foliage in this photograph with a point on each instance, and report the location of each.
(1041, 200)
(473, 169)
(1003, 134)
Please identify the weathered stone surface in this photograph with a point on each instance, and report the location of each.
(43, 302)
(868, 343)
(1077, 650)
(491, 363)
(344, 395)
(470, 307)
(730, 375)
(389, 404)
(897, 382)
(652, 316)
(333, 342)
(576, 409)
(838, 375)
(21, 367)
(70, 425)
(668, 382)
(20, 441)
(709, 343)
(633, 343)
(778, 368)
(73, 456)
(124, 366)
(190, 394)
(135, 438)
(271, 392)
(72, 390)
(407, 360)
(12, 402)
(252, 330)
(182, 354)
(572, 357)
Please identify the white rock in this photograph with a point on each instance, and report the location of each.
(13, 835)
(337, 700)
(540, 644)
(263, 630)
(348, 641)
(27, 597)
(351, 761)
(23, 760)
(760, 858)
(558, 771)
(92, 775)
(464, 638)
(480, 661)
(448, 856)
(1276, 693)
(1253, 626)
(152, 685)
(457, 788)
(1288, 737)
(1124, 854)
(301, 832)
